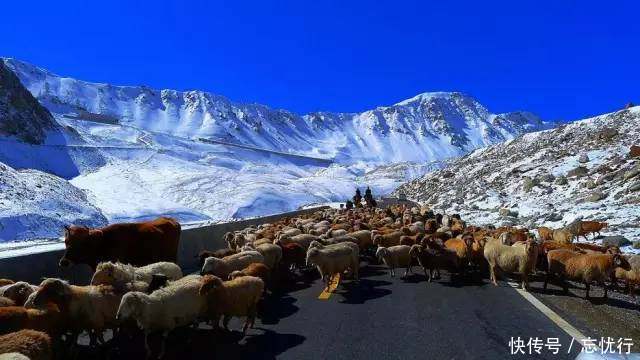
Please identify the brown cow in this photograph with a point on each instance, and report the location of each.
(137, 244)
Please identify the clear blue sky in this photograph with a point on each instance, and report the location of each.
(559, 59)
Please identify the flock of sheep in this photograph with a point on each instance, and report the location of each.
(158, 297)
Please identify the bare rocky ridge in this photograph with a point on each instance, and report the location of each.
(583, 169)
(20, 113)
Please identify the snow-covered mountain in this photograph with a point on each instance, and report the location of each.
(588, 168)
(121, 153)
(430, 126)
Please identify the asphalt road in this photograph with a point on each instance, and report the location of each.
(378, 318)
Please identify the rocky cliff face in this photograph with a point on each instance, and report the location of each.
(21, 115)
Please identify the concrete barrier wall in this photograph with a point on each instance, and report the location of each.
(33, 267)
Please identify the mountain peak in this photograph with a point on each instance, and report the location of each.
(428, 126)
(426, 96)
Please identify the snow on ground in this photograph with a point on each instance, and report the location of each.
(128, 153)
(34, 204)
(140, 175)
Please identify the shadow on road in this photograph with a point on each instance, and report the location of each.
(267, 345)
(448, 279)
(276, 306)
(362, 291)
(189, 343)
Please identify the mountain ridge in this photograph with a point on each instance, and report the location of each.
(426, 127)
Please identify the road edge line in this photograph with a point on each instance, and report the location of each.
(576, 334)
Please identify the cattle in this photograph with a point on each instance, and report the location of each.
(138, 244)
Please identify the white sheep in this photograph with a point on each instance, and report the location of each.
(237, 297)
(119, 274)
(287, 233)
(320, 230)
(223, 267)
(241, 238)
(332, 260)
(29, 302)
(511, 259)
(335, 233)
(13, 356)
(178, 304)
(302, 239)
(417, 227)
(364, 238)
(352, 245)
(272, 254)
(395, 256)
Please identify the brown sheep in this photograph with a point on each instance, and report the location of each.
(547, 246)
(457, 227)
(430, 226)
(389, 239)
(46, 319)
(293, 256)
(462, 247)
(411, 239)
(592, 248)
(238, 297)
(477, 253)
(4, 282)
(591, 227)
(91, 308)
(258, 270)
(35, 345)
(545, 233)
(435, 260)
(586, 268)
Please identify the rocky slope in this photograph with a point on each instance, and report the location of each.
(21, 116)
(34, 204)
(585, 169)
(430, 126)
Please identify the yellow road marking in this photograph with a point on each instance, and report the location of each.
(326, 293)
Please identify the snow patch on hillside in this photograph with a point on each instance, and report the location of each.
(34, 204)
(549, 178)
